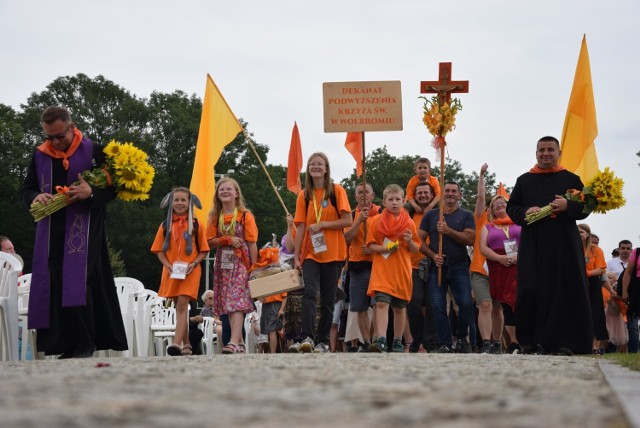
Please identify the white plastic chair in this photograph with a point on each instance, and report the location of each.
(28, 335)
(10, 266)
(163, 327)
(144, 303)
(249, 335)
(128, 289)
(210, 341)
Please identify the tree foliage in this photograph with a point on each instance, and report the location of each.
(383, 169)
(166, 126)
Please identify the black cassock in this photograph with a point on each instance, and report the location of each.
(100, 320)
(552, 306)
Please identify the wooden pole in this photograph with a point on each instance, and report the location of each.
(441, 209)
(264, 168)
(364, 184)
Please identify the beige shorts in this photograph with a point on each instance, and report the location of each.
(480, 287)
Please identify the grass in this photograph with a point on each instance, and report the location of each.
(632, 361)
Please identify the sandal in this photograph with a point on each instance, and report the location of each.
(187, 350)
(174, 350)
(241, 349)
(230, 348)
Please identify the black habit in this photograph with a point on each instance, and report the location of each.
(552, 306)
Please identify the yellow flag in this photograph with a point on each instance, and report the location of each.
(218, 127)
(580, 125)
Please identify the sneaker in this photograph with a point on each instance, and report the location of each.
(397, 346)
(380, 345)
(295, 348)
(306, 345)
(444, 349)
(514, 348)
(486, 347)
(496, 348)
(463, 346)
(321, 348)
(365, 346)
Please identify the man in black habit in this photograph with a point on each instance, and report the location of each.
(73, 302)
(553, 312)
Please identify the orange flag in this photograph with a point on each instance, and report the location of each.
(353, 144)
(295, 162)
(580, 125)
(218, 127)
(502, 191)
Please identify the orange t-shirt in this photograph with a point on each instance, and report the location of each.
(275, 298)
(414, 181)
(393, 274)
(172, 287)
(416, 257)
(595, 258)
(355, 248)
(477, 261)
(245, 218)
(334, 238)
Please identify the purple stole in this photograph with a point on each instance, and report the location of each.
(74, 267)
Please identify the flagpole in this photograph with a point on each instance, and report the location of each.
(264, 168)
(364, 184)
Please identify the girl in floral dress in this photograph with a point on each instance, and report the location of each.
(232, 231)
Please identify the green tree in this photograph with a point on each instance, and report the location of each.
(383, 169)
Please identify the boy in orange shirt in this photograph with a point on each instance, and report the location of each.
(422, 168)
(392, 239)
(272, 317)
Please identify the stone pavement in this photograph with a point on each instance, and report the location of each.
(335, 390)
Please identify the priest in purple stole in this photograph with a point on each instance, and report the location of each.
(73, 302)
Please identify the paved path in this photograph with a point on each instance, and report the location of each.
(288, 390)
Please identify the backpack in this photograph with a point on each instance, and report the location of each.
(634, 284)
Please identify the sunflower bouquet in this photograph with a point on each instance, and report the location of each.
(126, 168)
(601, 194)
(440, 118)
(392, 246)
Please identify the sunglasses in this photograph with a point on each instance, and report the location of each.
(57, 136)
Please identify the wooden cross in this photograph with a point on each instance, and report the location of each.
(444, 87)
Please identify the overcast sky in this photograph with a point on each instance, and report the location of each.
(270, 58)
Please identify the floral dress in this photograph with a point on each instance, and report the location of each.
(231, 281)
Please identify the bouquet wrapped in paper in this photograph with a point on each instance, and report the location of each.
(126, 168)
(601, 194)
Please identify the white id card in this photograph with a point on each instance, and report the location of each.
(510, 247)
(386, 242)
(318, 242)
(227, 259)
(179, 270)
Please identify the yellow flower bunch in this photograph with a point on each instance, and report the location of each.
(129, 171)
(392, 246)
(601, 194)
(440, 119)
(607, 190)
(126, 168)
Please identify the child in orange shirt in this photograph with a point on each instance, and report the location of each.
(233, 232)
(272, 317)
(392, 239)
(181, 258)
(422, 168)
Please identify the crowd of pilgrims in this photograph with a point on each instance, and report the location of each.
(373, 278)
(402, 276)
